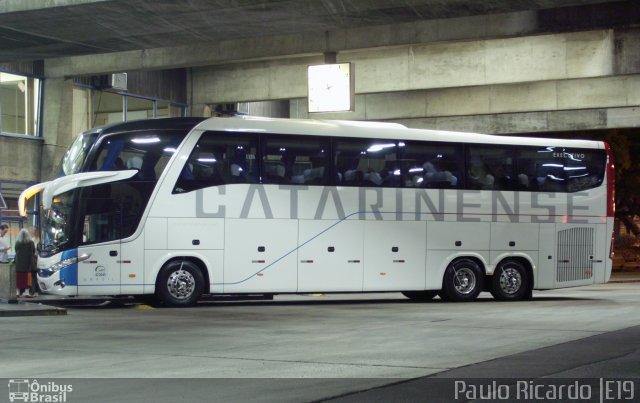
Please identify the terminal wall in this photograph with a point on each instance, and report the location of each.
(561, 81)
(20, 158)
(577, 104)
(422, 66)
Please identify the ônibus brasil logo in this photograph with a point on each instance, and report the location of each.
(25, 390)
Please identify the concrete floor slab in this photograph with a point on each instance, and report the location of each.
(355, 342)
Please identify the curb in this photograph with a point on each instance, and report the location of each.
(9, 309)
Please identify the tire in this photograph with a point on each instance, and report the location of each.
(463, 281)
(180, 283)
(510, 281)
(420, 296)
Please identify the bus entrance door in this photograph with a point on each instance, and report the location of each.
(99, 274)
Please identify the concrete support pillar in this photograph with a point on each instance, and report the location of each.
(8, 283)
(57, 124)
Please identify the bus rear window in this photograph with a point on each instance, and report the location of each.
(584, 169)
(556, 169)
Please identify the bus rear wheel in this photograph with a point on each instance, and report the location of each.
(463, 281)
(510, 281)
(420, 296)
(180, 283)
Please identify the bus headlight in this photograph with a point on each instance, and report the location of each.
(44, 273)
(64, 263)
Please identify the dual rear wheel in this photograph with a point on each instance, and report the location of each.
(510, 281)
(464, 279)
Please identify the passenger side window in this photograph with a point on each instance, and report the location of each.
(432, 165)
(299, 161)
(365, 162)
(219, 159)
(490, 168)
(541, 169)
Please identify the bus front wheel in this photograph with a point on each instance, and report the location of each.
(180, 283)
(510, 281)
(463, 281)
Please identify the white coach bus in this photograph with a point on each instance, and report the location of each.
(255, 205)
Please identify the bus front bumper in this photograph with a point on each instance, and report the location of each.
(51, 283)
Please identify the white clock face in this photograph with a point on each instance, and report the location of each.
(330, 87)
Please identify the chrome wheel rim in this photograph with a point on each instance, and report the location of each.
(464, 280)
(181, 284)
(510, 280)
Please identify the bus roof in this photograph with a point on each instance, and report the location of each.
(148, 124)
(382, 130)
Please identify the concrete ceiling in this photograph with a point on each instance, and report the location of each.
(32, 30)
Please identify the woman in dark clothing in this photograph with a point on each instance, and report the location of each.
(25, 251)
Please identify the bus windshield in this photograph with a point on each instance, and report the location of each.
(73, 159)
(57, 223)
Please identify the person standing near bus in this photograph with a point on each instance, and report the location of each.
(4, 245)
(25, 252)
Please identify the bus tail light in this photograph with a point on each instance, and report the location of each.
(611, 183)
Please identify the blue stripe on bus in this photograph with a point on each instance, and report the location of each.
(69, 274)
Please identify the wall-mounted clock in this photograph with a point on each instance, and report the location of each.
(331, 88)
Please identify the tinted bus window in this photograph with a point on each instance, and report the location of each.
(219, 159)
(584, 169)
(490, 168)
(541, 169)
(112, 211)
(300, 160)
(432, 165)
(147, 152)
(74, 158)
(365, 162)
